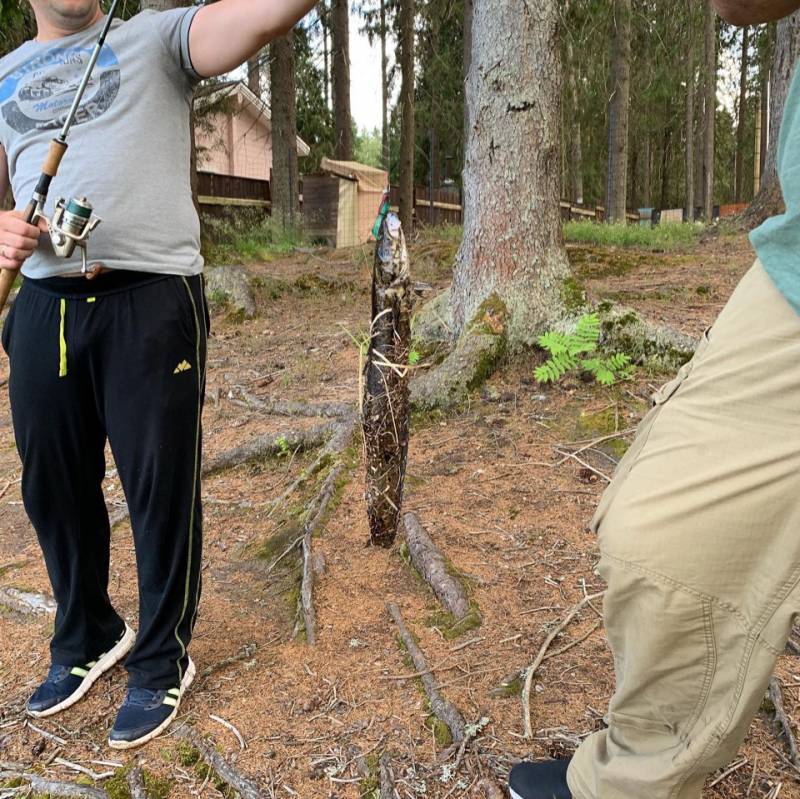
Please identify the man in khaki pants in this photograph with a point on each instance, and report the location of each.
(700, 531)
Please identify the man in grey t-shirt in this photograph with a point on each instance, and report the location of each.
(119, 357)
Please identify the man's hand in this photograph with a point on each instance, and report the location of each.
(226, 33)
(754, 12)
(18, 239)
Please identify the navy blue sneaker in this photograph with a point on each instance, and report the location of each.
(145, 714)
(66, 685)
(546, 779)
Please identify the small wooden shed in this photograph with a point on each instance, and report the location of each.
(340, 204)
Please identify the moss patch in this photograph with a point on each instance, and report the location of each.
(573, 294)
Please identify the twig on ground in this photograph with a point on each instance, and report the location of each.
(728, 771)
(442, 708)
(243, 785)
(776, 695)
(526, 691)
(45, 733)
(584, 464)
(242, 744)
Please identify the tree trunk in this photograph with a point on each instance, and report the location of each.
(576, 154)
(690, 84)
(648, 173)
(711, 110)
(618, 112)
(340, 30)
(740, 127)
(254, 74)
(285, 179)
(324, 12)
(769, 200)
(384, 91)
(665, 161)
(467, 65)
(511, 267)
(407, 130)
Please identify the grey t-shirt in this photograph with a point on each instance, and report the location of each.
(129, 149)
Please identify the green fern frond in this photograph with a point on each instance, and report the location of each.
(555, 368)
(586, 335)
(554, 343)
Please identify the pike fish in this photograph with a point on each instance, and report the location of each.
(386, 407)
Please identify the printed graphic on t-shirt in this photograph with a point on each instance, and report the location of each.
(39, 93)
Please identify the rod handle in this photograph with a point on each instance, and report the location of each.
(54, 156)
(30, 212)
(7, 278)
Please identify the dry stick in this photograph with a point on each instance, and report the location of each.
(526, 691)
(444, 710)
(430, 563)
(776, 695)
(65, 789)
(135, 780)
(244, 786)
(320, 509)
(387, 778)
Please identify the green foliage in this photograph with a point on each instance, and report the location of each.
(246, 235)
(566, 348)
(660, 237)
(367, 147)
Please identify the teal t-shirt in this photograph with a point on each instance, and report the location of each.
(777, 241)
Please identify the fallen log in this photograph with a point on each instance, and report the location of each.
(386, 407)
(40, 785)
(387, 778)
(292, 408)
(430, 563)
(243, 785)
(26, 602)
(444, 710)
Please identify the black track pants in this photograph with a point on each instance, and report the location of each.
(119, 358)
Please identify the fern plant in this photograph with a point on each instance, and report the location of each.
(566, 351)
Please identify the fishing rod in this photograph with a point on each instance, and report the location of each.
(73, 219)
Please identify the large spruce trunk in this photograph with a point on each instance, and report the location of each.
(407, 132)
(710, 27)
(511, 267)
(742, 121)
(618, 114)
(340, 32)
(285, 179)
(690, 92)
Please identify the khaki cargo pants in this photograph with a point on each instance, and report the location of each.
(700, 541)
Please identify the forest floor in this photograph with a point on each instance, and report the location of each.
(488, 482)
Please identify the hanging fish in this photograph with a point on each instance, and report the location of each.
(386, 407)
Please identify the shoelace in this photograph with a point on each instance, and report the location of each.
(143, 697)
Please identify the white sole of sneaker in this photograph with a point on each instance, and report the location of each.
(187, 680)
(106, 662)
(514, 794)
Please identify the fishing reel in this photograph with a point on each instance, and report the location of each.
(70, 227)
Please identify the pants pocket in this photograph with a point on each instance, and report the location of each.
(658, 400)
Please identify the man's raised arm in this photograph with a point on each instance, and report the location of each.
(754, 12)
(227, 33)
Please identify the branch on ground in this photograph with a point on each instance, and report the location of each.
(40, 785)
(782, 719)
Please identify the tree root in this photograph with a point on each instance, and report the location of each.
(269, 445)
(387, 778)
(444, 710)
(781, 717)
(430, 563)
(244, 786)
(135, 780)
(26, 603)
(289, 408)
(526, 691)
(317, 514)
(40, 785)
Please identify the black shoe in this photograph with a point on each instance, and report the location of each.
(66, 685)
(145, 713)
(544, 779)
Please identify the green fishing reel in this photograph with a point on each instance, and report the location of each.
(71, 225)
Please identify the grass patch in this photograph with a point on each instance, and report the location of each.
(246, 235)
(662, 237)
